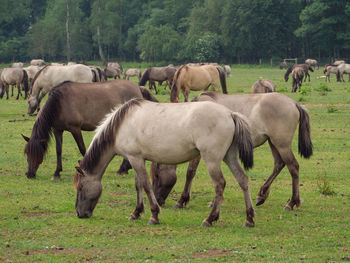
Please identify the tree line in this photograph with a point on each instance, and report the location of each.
(226, 31)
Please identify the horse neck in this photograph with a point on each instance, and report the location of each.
(36, 88)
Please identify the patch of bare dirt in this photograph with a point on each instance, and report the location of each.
(212, 253)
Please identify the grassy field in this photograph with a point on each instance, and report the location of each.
(38, 221)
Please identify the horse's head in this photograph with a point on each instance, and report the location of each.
(89, 190)
(32, 104)
(35, 150)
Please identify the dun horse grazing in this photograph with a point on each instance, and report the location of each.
(272, 117)
(188, 130)
(130, 72)
(312, 62)
(14, 76)
(159, 74)
(196, 78)
(331, 69)
(305, 68)
(263, 86)
(50, 76)
(37, 62)
(75, 107)
(298, 75)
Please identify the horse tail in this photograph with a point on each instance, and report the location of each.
(25, 81)
(174, 93)
(243, 140)
(146, 94)
(99, 71)
(42, 129)
(304, 142)
(222, 75)
(145, 77)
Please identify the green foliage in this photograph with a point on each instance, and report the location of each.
(331, 109)
(324, 186)
(304, 90)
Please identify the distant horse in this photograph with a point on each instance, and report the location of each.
(74, 107)
(196, 78)
(331, 69)
(283, 65)
(115, 65)
(297, 75)
(272, 117)
(312, 62)
(338, 62)
(188, 130)
(263, 86)
(305, 68)
(110, 72)
(14, 76)
(17, 65)
(37, 62)
(227, 70)
(130, 72)
(50, 76)
(159, 74)
(343, 69)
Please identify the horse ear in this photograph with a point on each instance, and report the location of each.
(25, 138)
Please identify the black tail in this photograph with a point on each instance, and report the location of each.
(243, 140)
(222, 75)
(146, 94)
(145, 77)
(25, 83)
(304, 142)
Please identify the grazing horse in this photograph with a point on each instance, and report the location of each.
(312, 62)
(130, 72)
(263, 86)
(297, 75)
(188, 130)
(74, 107)
(343, 68)
(328, 69)
(305, 68)
(159, 74)
(196, 78)
(110, 72)
(272, 117)
(50, 76)
(14, 76)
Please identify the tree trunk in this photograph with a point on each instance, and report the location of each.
(67, 32)
(100, 51)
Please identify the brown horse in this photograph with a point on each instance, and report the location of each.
(75, 107)
(263, 86)
(159, 74)
(273, 117)
(305, 68)
(297, 75)
(188, 130)
(196, 78)
(16, 77)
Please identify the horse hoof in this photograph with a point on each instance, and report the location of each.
(153, 222)
(259, 201)
(56, 178)
(249, 224)
(205, 224)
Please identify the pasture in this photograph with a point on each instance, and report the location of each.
(38, 222)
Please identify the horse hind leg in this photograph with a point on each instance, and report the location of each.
(58, 138)
(278, 166)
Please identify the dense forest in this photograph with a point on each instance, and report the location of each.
(226, 31)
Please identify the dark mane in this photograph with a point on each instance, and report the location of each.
(145, 77)
(38, 73)
(42, 129)
(107, 135)
(289, 70)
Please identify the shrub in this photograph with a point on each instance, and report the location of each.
(324, 187)
(331, 109)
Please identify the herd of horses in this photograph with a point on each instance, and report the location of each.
(216, 127)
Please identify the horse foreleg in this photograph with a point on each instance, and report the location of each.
(19, 91)
(185, 93)
(155, 87)
(78, 137)
(12, 90)
(278, 166)
(142, 181)
(191, 172)
(58, 137)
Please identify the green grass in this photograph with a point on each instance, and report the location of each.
(38, 221)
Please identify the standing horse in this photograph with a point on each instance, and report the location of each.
(305, 68)
(50, 76)
(312, 62)
(130, 72)
(272, 117)
(14, 76)
(196, 78)
(263, 86)
(74, 107)
(297, 75)
(159, 74)
(328, 69)
(188, 130)
(343, 69)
